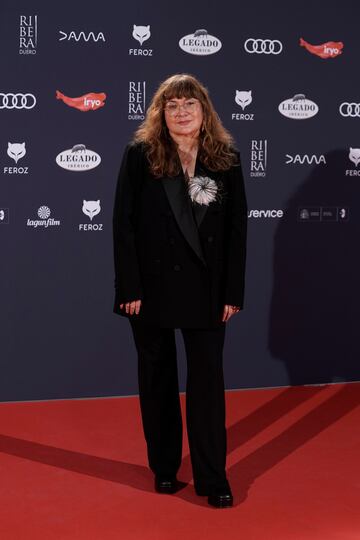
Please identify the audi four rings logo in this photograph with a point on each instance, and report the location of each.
(17, 101)
(263, 46)
(349, 109)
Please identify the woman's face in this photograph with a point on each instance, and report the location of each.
(183, 116)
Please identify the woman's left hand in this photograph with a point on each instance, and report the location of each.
(229, 311)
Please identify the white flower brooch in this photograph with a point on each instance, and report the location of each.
(202, 189)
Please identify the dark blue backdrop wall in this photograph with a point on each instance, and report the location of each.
(294, 111)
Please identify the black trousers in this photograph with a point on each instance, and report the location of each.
(205, 401)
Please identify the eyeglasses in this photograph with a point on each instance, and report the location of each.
(189, 107)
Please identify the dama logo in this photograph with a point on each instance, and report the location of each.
(330, 49)
(305, 159)
(81, 36)
(87, 102)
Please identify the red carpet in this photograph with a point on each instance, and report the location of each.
(77, 470)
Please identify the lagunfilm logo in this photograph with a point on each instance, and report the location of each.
(78, 158)
(28, 34)
(298, 107)
(137, 94)
(91, 209)
(141, 34)
(45, 220)
(200, 43)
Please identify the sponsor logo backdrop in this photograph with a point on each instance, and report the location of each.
(75, 83)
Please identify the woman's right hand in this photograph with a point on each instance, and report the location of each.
(132, 307)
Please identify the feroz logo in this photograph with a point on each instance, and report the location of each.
(17, 101)
(4, 216)
(265, 214)
(330, 49)
(305, 159)
(78, 158)
(323, 214)
(28, 34)
(351, 110)
(200, 43)
(298, 107)
(141, 34)
(87, 102)
(16, 151)
(243, 98)
(258, 159)
(45, 220)
(81, 36)
(136, 110)
(91, 209)
(263, 46)
(354, 156)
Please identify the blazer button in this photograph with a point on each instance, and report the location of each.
(157, 260)
(210, 238)
(172, 240)
(177, 267)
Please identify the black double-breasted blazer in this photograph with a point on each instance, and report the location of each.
(183, 260)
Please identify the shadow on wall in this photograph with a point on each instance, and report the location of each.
(314, 313)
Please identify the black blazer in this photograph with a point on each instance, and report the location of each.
(183, 261)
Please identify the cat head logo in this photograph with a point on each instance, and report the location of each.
(16, 151)
(354, 155)
(141, 33)
(200, 43)
(91, 208)
(243, 98)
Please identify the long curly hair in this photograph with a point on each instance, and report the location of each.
(216, 149)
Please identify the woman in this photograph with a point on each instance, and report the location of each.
(179, 245)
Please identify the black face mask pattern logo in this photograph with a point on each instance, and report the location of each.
(17, 101)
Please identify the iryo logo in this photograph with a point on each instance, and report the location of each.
(87, 102)
(330, 49)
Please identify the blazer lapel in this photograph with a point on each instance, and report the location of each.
(180, 204)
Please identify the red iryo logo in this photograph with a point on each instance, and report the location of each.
(87, 102)
(330, 49)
